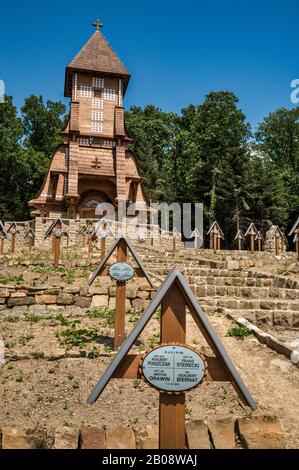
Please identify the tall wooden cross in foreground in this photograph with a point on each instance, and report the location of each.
(173, 367)
(120, 272)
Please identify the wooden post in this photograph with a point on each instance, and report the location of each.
(120, 306)
(174, 242)
(259, 244)
(89, 245)
(1, 246)
(13, 242)
(252, 235)
(219, 242)
(30, 242)
(103, 247)
(277, 244)
(56, 241)
(53, 243)
(215, 232)
(83, 240)
(239, 244)
(172, 406)
(296, 232)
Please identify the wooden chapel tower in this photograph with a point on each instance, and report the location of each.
(93, 164)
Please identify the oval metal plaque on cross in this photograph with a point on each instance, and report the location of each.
(121, 271)
(58, 233)
(103, 234)
(173, 368)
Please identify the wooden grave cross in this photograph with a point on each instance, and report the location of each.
(295, 231)
(217, 235)
(252, 233)
(56, 230)
(175, 234)
(259, 238)
(102, 229)
(13, 230)
(120, 272)
(83, 231)
(169, 359)
(278, 237)
(240, 238)
(30, 235)
(3, 236)
(197, 238)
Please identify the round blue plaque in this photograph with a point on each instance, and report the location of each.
(121, 271)
(103, 234)
(58, 233)
(173, 368)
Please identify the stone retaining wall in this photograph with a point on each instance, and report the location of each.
(75, 300)
(255, 432)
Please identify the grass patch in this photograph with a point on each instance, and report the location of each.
(283, 271)
(42, 269)
(25, 338)
(11, 279)
(77, 337)
(154, 339)
(239, 332)
(105, 313)
(11, 319)
(32, 318)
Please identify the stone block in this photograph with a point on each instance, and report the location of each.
(20, 438)
(83, 302)
(66, 437)
(120, 437)
(92, 438)
(223, 434)
(96, 290)
(99, 301)
(197, 435)
(140, 303)
(46, 299)
(19, 301)
(260, 432)
(142, 294)
(148, 437)
(65, 299)
(131, 292)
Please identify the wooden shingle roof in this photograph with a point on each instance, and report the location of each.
(96, 56)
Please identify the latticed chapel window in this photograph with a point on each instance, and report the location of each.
(97, 115)
(97, 82)
(109, 94)
(96, 127)
(85, 91)
(97, 103)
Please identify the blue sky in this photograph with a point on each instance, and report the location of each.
(176, 50)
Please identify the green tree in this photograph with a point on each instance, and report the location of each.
(278, 140)
(154, 133)
(42, 123)
(216, 134)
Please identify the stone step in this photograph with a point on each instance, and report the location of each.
(274, 318)
(242, 304)
(245, 292)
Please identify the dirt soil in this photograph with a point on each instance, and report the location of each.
(39, 392)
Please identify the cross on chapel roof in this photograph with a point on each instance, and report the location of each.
(97, 24)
